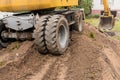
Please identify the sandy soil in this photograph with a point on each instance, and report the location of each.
(91, 56)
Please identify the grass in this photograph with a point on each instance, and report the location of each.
(95, 22)
(12, 46)
(2, 63)
(116, 37)
(91, 35)
(117, 26)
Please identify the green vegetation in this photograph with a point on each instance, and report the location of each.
(87, 5)
(92, 35)
(95, 22)
(13, 46)
(2, 63)
(116, 37)
(117, 26)
(92, 16)
(92, 21)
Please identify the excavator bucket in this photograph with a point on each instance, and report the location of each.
(107, 22)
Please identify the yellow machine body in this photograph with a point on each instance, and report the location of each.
(25, 5)
(107, 11)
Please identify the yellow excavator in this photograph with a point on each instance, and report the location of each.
(41, 22)
(107, 18)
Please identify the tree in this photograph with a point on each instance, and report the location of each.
(87, 5)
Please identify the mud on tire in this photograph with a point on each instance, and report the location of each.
(78, 26)
(39, 33)
(57, 34)
(51, 34)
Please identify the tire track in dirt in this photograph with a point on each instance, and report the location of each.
(58, 71)
(87, 58)
(44, 68)
(61, 71)
(62, 68)
(107, 72)
(28, 67)
(52, 63)
(16, 54)
(111, 65)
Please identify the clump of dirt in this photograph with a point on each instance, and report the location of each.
(91, 55)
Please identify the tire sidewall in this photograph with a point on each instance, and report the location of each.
(63, 21)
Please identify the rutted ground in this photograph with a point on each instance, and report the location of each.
(91, 56)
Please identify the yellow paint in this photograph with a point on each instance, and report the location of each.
(107, 11)
(25, 5)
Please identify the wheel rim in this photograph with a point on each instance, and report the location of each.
(63, 36)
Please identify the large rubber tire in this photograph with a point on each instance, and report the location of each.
(3, 42)
(57, 34)
(39, 33)
(78, 26)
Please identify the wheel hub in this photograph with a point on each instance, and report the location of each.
(63, 36)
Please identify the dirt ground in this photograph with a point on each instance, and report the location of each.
(91, 56)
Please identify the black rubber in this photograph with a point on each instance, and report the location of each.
(78, 26)
(3, 42)
(52, 34)
(39, 33)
